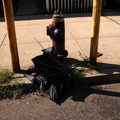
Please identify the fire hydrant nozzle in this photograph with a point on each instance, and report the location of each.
(56, 31)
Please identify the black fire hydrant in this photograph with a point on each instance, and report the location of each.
(56, 31)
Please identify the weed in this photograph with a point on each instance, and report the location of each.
(5, 75)
(77, 74)
(10, 91)
(90, 65)
(16, 90)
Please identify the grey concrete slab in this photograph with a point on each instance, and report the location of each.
(37, 28)
(40, 19)
(68, 35)
(24, 35)
(5, 57)
(73, 49)
(27, 52)
(45, 44)
(109, 48)
(39, 31)
(114, 18)
(2, 23)
(79, 29)
(109, 28)
(3, 30)
(3, 34)
(19, 22)
(85, 44)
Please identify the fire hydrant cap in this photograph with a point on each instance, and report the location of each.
(57, 12)
(57, 16)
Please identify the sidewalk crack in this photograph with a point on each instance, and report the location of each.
(32, 34)
(112, 19)
(80, 46)
(3, 40)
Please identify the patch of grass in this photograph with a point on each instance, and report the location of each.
(77, 74)
(10, 91)
(5, 75)
(17, 90)
(89, 65)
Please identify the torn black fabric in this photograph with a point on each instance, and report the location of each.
(49, 75)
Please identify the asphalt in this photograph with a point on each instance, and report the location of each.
(100, 102)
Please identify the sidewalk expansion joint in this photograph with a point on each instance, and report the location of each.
(112, 19)
(3, 40)
(34, 36)
(77, 42)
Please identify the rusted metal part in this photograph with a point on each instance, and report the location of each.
(56, 31)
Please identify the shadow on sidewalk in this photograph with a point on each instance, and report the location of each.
(48, 16)
(75, 92)
(104, 68)
(80, 90)
(68, 15)
(79, 95)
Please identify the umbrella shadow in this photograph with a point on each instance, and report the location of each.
(103, 68)
(79, 95)
(81, 92)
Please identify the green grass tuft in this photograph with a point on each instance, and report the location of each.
(5, 75)
(77, 74)
(17, 90)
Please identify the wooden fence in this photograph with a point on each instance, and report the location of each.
(69, 5)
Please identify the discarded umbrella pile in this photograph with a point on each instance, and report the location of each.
(49, 75)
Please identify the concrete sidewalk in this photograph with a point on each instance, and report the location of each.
(99, 102)
(32, 38)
